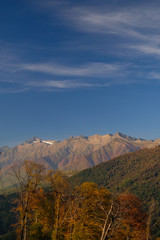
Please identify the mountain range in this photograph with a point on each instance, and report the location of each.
(74, 153)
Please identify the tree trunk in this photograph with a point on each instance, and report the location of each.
(105, 231)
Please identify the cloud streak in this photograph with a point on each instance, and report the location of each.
(14, 74)
(64, 84)
(144, 28)
(9, 90)
(87, 70)
(138, 26)
(88, 75)
(147, 49)
(131, 21)
(135, 25)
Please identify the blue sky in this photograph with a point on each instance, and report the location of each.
(79, 67)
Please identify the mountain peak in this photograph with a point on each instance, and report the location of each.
(38, 140)
(122, 135)
(32, 140)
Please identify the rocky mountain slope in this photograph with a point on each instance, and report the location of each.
(3, 149)
(74, 153)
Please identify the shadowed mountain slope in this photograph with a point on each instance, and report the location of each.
(137, 172)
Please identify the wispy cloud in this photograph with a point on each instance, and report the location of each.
(138, 26)
(88, 75)
(86, 70)
(64, 84)
(146, 49)
(17, 77)
(131, 21)
(9, 90)
(155, 75)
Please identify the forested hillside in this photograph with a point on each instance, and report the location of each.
(138, 172)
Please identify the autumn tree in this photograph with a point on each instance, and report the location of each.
(42, 215)
(61, 192)
(88, 211)
(28, 177)
(131, 219)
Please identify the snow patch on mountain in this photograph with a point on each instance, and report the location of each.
(49, 143)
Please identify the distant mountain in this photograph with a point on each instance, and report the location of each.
(37, 140)
(32, 140)
(74, 153)
(4, 149)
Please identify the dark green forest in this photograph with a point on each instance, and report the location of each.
(7, 217)
(137, 172)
